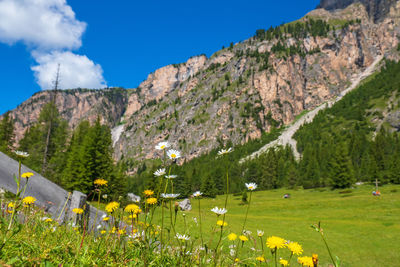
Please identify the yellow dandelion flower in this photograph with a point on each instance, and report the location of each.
(132, 216)
(106, 219)
(29, 200)
(151, 201)
(283, 262)
(305, 261)
(10, 207)
(222, 223)
(275, 242)
(112, 206)
(103, 232)
(237, 260)
(148, 193)
(113, 230)
(77, 210)
(121, 232)
(100, 182)
(315, 259)
(137, 211)
(243, 238)
(27, 175)
(232, 236)
(260, 259)
(48, 220)
(295, 248)
(131, 208)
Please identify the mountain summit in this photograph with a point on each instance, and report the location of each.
(377, 9)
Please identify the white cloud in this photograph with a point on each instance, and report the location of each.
(44, 24)
(75, 70)
(50, 30)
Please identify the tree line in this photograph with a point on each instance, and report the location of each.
(72, 159)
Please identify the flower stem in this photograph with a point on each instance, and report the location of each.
(327, 247)
(201, 232)
(247, 211)
(98, 206)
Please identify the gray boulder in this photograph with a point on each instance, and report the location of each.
(134, 198)
(185, 204)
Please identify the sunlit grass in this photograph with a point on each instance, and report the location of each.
(362, 230)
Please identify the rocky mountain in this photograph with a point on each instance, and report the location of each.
(376, 9)
(74, 106)
(240, 91)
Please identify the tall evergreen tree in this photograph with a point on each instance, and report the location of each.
(341, 168)
(6, 133)
(44, 150)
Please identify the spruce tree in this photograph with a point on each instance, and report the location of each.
(6, 133)
(46, 152)
(208, 187)
(341, 168)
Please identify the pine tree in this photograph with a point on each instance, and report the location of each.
(292, 175)
(341, 168)
(208, 187)
(6, 133)
(74, 174)
(46, 153)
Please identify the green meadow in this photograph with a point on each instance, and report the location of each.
(361, 229)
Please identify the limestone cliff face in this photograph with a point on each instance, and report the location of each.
(377, 9)
(74, 106)
(231, 96)
(239, 92)
(166, 79)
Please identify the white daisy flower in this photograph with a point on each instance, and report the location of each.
(232, 252)
(173, 154)
(251, 186)
(247, 232)
(169, 195)
(162, 145)
(224, 151)
(197, 194)
(22, 154)
(219, 211)
(159, 172)
(172, 176)
(260, 233)
(182, 237)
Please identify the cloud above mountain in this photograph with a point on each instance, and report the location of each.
(75, 70)
(51, 32)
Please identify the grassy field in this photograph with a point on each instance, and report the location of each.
(362, 230)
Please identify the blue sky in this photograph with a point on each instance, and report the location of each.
(118, 43)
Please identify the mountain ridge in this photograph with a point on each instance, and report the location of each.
(239, 92)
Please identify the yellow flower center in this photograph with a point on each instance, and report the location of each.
(173, 156)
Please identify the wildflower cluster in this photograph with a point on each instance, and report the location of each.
(146, 228)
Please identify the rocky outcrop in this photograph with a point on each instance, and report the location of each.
(74, 106)
(163, 80)
(377, 9)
